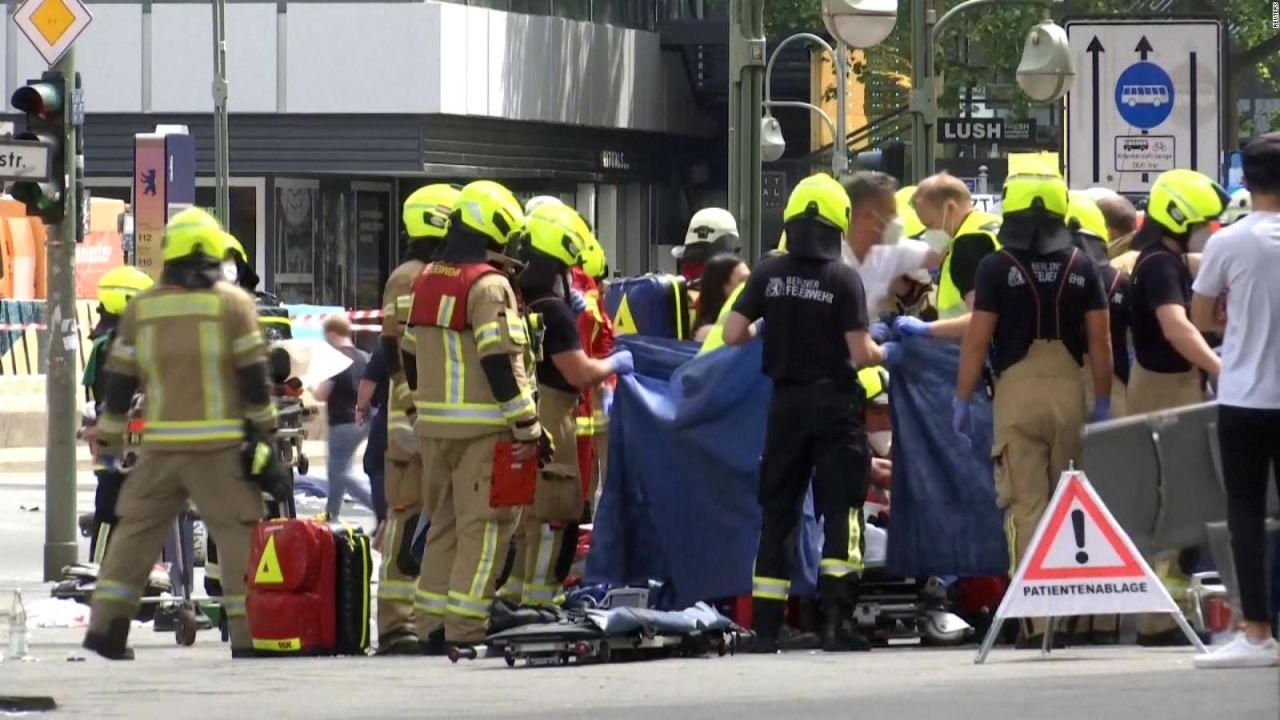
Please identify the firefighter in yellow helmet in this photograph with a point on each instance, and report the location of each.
(273, 317)
(192, 344)
(475, 410)
(1039, 307)
(552, 243)
(115, 289)
(1089, 230)
(426, 219)
(817, 329)
(1170, 352)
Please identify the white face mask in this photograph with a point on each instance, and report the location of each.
(230, 271)
(1199, 238)
(881, 442)
(938, 239)
(892, 232)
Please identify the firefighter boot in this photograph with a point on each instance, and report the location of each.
(840, 633)
(766, 620)
(113, 644)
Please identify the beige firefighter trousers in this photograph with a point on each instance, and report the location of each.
(557, 507)
(150, 502)
(1152, 392)
(467, 541)
(396, 588)
(1039, 412)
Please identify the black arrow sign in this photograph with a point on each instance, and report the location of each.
(1095, 48)
(1144, 47)
(1195, 119)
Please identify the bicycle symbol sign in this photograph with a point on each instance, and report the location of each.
(1144, 95)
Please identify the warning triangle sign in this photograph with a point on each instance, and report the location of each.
(268, 572)
(623, 323)
(1081, 562)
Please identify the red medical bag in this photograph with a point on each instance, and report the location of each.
(308, 588)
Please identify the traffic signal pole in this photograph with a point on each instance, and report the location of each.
(221, 159)
(60, 544)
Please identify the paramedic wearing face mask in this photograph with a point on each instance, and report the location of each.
(965, 236)
(875, 246)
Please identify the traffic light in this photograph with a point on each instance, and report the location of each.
(44, 102)
(890, 159)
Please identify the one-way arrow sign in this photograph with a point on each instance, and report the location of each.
(1144, 47)
(1094, 49)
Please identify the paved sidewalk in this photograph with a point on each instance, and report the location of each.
(168, 681)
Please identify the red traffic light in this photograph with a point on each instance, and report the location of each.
(42, 99)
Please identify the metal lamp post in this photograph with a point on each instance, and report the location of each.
(925, 33)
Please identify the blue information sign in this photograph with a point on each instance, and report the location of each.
(1144, 95)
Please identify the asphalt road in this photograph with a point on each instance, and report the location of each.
(167, 681)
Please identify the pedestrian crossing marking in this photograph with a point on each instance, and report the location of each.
(268, 572)
(623, 323)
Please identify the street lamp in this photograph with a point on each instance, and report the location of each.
(855, 23)
(860, 23)
(1045, 72)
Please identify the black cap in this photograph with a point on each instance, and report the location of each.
(1261, 160)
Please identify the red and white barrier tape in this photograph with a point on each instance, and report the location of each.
(352, 315)
(7, 327)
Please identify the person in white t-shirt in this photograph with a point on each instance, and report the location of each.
(1242, 261)
(875, 246)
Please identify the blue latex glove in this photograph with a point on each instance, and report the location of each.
(910, 326)
(1101, 410)
(622, 362)
(962, 419)
(578, 302)
(108, 464)
(606, 400)
(881, 333)
(893, 354)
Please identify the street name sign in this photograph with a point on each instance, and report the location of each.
(52, 25)
(1147, 98)
(24, 160)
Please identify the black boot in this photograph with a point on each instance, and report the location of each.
(840, 633)
(401, 642)
(114, 644)
(766, 621)
(434, 645)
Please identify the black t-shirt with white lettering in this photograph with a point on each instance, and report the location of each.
(808, 306)
(1116, 284)
(1160, 277)
(1037, 297)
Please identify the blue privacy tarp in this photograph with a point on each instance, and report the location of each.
(679, 503)
(945, 521)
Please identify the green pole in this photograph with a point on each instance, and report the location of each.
(60, 545)
(923, 112)
(746, 103)
(221, 160)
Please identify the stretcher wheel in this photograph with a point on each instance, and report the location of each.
(303, 464)
(510, 658)
(184, 630)
(562, 658)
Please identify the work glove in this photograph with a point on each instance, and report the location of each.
(622, 362)
(910, 326)
(962, 419)
(546, 449)
(606, 400)
(1101, 410)
(578, 302)
(893, 354)
(881, 333)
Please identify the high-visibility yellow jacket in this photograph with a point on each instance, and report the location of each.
(950, 301)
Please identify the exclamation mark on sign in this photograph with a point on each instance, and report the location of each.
(1077, 523)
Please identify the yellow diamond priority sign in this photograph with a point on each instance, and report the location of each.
(52, 25)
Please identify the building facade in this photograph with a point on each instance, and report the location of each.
(339, 110)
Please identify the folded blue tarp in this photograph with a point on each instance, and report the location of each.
(945, 521)
(679, 503)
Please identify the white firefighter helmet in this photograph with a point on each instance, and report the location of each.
(1240, 204)
(707, 227)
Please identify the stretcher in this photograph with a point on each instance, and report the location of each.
(609, 635)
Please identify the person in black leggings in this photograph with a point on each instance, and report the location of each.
(1242, 262)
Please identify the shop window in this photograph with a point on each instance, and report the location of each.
(296, 230)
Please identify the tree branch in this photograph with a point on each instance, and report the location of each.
(1257, 53)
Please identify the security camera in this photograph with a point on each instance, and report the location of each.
(772, 144)
(1047, 68)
